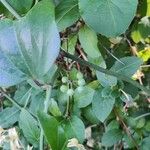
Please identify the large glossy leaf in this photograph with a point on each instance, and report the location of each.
(102, 106)
(33, 40)
(67, 13)
(53, 132)
(108, 17)
(29, 126)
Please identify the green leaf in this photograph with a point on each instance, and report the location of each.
(22, 94)
(74, 128)
(9, 116)
(84, 98)
(70, 43)
(36, 54)
(111, 137)
(145, 145)
(106, 80)
(53, 132)
(9, 74)
(102, 106)
(90, 115)
(89, 41)
(140, 32)
(66, 13)
(144, 54)
(54, 109)
(148, 8)
(112, 125)
(130, 66)
(37, 101)
(21, 6)
(29, 127)
(108, 17)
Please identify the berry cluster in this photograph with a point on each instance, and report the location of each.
(65, 88)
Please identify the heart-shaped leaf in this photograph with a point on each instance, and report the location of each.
(74, 128)
(102, 106)
(108, 17)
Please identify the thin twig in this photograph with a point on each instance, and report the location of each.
(126, 129)
(143, 115)
(113, 55)
(106, 71)
(144, 66)
(133, 48)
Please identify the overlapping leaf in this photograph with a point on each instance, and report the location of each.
(30, 44)
(108, 17)
(53, 132)
(67, 13)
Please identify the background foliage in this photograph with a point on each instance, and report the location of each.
(74, 74)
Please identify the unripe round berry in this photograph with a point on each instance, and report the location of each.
(80, 89)
(63, 88)
(70, 92)
(64, 79)
(79, 75)
(81, 82)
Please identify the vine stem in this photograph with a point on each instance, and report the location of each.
(141, 116)
(126, 129)
(10, 8)
(16, 104)
(106, 71)
(46, 104)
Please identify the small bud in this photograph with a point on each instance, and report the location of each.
(81, 82)
(79, 75)
(80, 89)
(63, 88)
(70, 92)
(64, 79)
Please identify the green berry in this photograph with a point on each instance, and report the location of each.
(80, 88)
(64, 79)
(63, 88)
(70, 92)
(79, 75)
(140, 123)
(81, 82)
